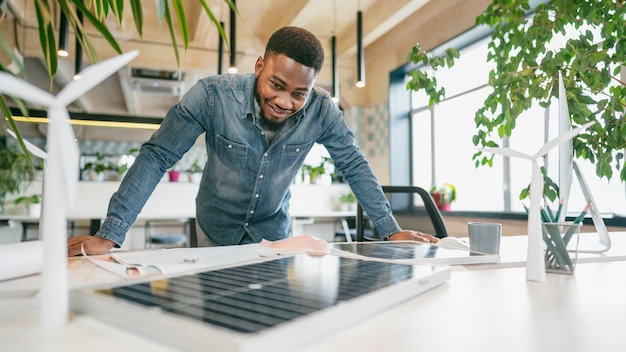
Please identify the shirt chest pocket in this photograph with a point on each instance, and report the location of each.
(232, 155)
(292, 155)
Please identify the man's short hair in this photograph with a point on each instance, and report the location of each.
(298, 44)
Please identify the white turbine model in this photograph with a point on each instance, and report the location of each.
(60, 181)
(535, 266)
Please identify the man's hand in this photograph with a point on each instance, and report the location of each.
(92, 244)
(409, 235)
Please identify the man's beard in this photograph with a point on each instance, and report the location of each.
(270, 125)
(267, 124)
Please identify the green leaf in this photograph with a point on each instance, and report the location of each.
(216, 21)
(46, 37)
(20, 140)
(182, 21)
(14, 58)
(170, 26)
(102, 29)
(138, 15)
(117, 6)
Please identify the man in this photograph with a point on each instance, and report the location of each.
(259, 128)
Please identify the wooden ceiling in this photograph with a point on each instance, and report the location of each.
(258, 19)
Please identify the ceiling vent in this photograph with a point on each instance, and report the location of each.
(158, 82)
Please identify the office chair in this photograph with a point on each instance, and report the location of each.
(423, 216)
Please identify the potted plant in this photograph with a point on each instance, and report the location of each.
(174, 173)
(348, 201)
(96, 169)
(16, 171)
(443, 196)
(31, 202)
(315, 172)
(195, 172)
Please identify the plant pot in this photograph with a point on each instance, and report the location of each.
(34, 210)
(96, 176)
(441, 206)
(348, 206)
(195, 177)
(174, 175)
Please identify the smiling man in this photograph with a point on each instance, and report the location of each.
(259, 128)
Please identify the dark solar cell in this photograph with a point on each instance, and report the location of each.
(254, 297)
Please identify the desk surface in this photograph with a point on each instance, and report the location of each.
(493, 309)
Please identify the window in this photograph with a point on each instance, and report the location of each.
(442, 146)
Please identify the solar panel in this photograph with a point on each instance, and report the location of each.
(415, 252)
(271, 305)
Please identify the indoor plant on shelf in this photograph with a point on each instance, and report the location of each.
(443, 196)
(195, 172)
(16, 171)
(314, 172)
(96, 169)
(347, 201)
(31, 202)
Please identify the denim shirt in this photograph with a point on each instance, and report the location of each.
(246, 180)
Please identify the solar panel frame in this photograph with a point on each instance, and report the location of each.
(259, 306)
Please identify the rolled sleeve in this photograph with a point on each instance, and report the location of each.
(387, 226)
(114, 230)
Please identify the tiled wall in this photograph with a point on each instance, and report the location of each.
(371, 127)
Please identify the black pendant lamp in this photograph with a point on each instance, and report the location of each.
(335, 68)
(220, 51)
(360, 53)
(78, 58)
(63, 31)
(233, 41)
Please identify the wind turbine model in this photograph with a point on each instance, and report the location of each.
(60, 181)
(535, 266)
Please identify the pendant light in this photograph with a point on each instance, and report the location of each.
(233, 41)
(78, 58)
(335, 69)
(63, 31)
(360, 52)
(220, 51)
(335, 64)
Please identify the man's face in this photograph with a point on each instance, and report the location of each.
(283, 86)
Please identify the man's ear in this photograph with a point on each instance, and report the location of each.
(258, 66)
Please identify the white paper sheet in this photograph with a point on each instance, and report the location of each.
(20, 259)
(178, 260)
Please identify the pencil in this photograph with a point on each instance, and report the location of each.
(558, 211)
(582, 214)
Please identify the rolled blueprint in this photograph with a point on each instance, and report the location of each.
(20, 259)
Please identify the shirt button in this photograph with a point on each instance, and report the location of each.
(262, 133)
(265, 154)
(246, 224)
(261, 176)
(251, 211)
(230, 146)
(297, 150)
(257, 195)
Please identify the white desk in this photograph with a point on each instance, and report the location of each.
(494, 309)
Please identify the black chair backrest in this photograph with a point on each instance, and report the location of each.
(420, 214)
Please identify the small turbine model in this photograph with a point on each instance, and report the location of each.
(60, 181)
